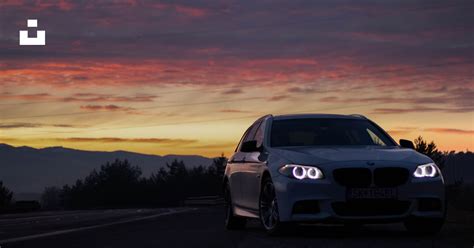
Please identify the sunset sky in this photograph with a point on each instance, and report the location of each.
(188, 77)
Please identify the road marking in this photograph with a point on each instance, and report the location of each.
(42, 235)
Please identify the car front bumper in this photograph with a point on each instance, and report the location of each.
(327, 201)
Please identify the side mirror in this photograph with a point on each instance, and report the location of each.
(249, 146)
(407, 144)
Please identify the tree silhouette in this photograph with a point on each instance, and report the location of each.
(219, 164)
(119, 184)
(51, 198)
(177, 169)
(430, 150)
(6, 196)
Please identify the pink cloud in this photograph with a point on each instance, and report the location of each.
(183, 9)
(105, 108)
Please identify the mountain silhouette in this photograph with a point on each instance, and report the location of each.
(29, 170)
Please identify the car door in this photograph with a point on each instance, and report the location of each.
(235, 167)
(252, 169)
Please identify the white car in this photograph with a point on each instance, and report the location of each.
(330, 169)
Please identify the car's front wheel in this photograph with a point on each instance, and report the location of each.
(424, 226)
(268, 208)
(231, 221)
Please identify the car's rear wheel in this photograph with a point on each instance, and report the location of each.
(232, 222)
(424, 226)
(268, 208)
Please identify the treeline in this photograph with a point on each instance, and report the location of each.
(6, 198)
(120, 185)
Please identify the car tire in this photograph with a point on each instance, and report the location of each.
(268, 209)
(232, 222)
(423, 226)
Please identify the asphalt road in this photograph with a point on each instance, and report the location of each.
(203, 227)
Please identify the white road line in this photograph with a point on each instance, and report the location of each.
(42, 235)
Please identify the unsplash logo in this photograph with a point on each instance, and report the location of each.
(39, 40)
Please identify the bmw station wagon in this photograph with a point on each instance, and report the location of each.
(330, 169)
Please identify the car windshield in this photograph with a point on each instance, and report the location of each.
(327, 132)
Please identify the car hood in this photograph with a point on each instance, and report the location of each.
(308, 155)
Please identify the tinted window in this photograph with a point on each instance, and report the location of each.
(327, 132)
(250, 133)
(259, 135)
(241, 139)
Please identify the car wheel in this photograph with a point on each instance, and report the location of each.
(268, 209)
(232, 222)
(424, 226)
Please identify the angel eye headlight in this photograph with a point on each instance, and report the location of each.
(426, 170)
(301, 171)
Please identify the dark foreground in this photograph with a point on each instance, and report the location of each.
(203, 227)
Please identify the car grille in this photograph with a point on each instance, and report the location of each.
(353, 177)
(362, 177)
(390, 177)
(371, 207)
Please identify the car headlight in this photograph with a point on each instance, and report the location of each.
(426, 170)
(301, 171)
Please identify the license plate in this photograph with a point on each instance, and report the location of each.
(372, 193)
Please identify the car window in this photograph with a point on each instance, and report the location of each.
(327, 132)
(259, 135)
(250, 134)
(242, 139)
(376, 139)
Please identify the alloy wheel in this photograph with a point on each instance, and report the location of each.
(268, 206)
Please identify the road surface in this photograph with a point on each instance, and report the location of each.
(203, 227)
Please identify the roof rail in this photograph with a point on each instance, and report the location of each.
(359, 115)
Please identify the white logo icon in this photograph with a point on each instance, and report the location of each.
(39, 40)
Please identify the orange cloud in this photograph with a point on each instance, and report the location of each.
(233, 111)
(132, 140)
(278, 98)
(419, 109)
(450, 131)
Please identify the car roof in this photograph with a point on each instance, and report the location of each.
(316, 116)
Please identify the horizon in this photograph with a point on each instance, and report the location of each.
(189, 78)
(168, 154)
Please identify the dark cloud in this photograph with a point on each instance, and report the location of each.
(80, 97)
(301, 90)
(387, 44)
(233, 92)
(456, 99)
(16, 125)
(246, 29)
(35, 96)
(93, 97)
(278, 98)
